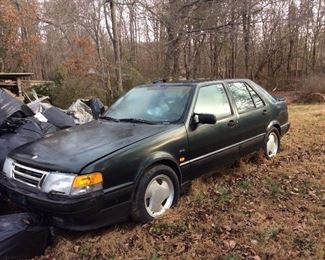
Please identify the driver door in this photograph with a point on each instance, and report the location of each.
(212, 146)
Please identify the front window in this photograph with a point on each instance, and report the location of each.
(155, 104)
(213, 100)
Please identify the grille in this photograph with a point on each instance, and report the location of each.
(30, 176)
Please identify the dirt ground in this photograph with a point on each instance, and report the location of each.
(259, 209)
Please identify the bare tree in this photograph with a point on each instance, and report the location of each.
(115, 40)
(274, 41)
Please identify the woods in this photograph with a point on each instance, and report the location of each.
(207, 170)
(104, 47)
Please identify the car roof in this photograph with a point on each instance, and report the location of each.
(192, 83)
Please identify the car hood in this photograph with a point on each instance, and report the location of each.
(72, 149)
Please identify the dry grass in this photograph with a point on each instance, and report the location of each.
(258, 210)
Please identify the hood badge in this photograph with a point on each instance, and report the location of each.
(35, 157)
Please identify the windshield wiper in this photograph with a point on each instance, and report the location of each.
(135, 120)
(110, 118)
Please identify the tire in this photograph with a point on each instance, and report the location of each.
(149, 199)
(271, 150)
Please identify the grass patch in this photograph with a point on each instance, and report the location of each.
(275, 188)
(245, 185)
(168, 229)
(230, 257)
(224, 195)
(270, 233)
(154, 257)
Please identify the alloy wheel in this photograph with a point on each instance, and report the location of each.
(159, 195)
(272, 144)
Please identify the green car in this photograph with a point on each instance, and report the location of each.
(135, 161)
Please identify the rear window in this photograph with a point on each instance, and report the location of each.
(242, 97)
(265, 93)
(256, 98)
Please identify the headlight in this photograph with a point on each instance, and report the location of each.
(70, 184)
(59, 183)
(7, 167)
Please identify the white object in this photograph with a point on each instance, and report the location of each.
(41, 117)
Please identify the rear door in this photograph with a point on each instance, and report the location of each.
(213, 145)
(253, 115)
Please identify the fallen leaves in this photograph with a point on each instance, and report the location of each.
(230, 244)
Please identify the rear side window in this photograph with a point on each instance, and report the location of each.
(265, 93)
(257, 100)
(242, 97)
(213, 99)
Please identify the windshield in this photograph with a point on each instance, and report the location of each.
(151, 104)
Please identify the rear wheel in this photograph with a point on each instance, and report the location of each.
(272, 143)
(158, 191)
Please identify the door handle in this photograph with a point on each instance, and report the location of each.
(232, 123)
(264, 112)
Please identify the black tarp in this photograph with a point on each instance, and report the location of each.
(58, 118)
(16, 132)
(23, 236)
(52, 114)
(18, 125)
(10, 106)
(97, 107)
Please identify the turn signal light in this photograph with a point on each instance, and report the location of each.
(87, 180)
(182, 159)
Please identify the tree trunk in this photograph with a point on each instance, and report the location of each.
(132, 33)
(233, 41)
(171, 68)
(116, 46)
(246, 19)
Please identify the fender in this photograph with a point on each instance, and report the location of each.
(156, 157)
(274, 123)
(152, 159)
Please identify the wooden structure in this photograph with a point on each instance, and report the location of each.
(13, 82)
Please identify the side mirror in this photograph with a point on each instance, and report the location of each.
(207, 119)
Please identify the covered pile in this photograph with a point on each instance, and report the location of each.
(21, 124)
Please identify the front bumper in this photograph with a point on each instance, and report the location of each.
(88, 212)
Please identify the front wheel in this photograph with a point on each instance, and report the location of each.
(158, 191)
(272, 143)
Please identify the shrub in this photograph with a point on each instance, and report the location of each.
(313, 90)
